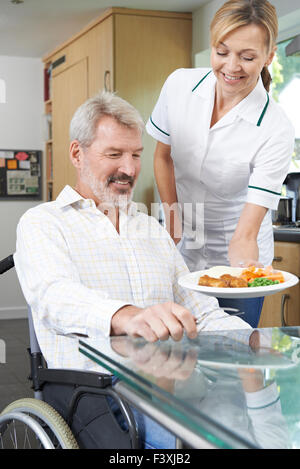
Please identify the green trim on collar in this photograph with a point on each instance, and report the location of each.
(265, 190)
(158, 127)
(201, 81)
(263, 112)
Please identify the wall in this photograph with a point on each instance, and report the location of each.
(288, 12)
(20, 128)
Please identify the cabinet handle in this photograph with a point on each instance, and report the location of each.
(59, 61)
(107, 86)
(278, 259)
(284, 298)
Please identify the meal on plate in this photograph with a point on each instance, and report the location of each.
(233, 277)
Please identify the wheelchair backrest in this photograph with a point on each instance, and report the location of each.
(5, 265)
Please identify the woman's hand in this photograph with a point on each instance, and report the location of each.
(243, 249)
(244, 253)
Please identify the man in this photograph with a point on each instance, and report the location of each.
(89, 263)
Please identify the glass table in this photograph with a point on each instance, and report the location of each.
(225, 389)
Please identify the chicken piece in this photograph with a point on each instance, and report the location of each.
(203, 281)
(237, 282)
(226, 277)
(207, 281)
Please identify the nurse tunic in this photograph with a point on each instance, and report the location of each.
(243, 158)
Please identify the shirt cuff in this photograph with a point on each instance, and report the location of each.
(159, 134)
(264, 197)
(99, 319)
(263, 398)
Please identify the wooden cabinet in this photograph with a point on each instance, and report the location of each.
(283, 309)
(127, 51)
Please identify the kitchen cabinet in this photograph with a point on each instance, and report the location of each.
(283, 309)
(130, 52)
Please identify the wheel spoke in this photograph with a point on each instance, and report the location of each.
(14, 435)
(26, 439)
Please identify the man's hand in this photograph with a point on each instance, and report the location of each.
(158, 322)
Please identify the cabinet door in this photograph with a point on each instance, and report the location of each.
(69, 90)
(287, 257)
(281, 309)
(284, 308)
(147, 50)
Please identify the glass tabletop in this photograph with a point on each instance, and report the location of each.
(235, 389)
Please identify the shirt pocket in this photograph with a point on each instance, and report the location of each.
(234, 178)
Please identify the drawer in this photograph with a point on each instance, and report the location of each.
(287, 257)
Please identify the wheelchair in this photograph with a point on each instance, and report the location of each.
(33, 423)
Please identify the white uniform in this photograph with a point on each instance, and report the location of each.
(243, 158)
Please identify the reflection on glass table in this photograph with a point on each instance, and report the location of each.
(231, 389)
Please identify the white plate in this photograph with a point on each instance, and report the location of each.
(190, 281)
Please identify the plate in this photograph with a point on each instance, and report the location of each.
(190, 282)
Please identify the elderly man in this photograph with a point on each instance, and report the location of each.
(89, 263)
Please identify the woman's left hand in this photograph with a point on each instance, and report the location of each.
(243, 253)
(243, 249)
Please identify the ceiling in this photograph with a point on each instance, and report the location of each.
(35, 27)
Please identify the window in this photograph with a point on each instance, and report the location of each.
(2, 91)
(285, 90)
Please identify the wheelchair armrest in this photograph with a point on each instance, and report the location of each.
(76, 377)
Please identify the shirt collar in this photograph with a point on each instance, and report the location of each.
(250, 108)
(205, 85)
(69, 196)
(254, 105)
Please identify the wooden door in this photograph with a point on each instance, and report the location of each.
(69, 90)
(147, 49)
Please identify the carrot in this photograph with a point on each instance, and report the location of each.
(250, 273)
(276, 276)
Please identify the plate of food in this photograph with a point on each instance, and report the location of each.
(236, 282)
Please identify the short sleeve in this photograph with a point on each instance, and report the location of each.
(270, 168)
(158, 123)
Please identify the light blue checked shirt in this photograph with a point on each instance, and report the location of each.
(76, 271)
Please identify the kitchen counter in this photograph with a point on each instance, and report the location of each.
(285, 233)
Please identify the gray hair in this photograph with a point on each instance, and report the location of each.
(86, 118)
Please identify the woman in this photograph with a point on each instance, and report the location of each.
(224, 146)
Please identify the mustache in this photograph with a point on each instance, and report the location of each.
(121, 177)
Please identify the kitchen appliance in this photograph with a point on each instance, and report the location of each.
(283, 214)
(292, 183)
(289, 231)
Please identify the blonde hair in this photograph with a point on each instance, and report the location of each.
(236, 13)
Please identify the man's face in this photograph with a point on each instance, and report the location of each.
(109, 168)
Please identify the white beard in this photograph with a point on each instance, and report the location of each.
(102, 191)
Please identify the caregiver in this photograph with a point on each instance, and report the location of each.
(224, 147)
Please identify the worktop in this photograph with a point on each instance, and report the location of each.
(290, 235)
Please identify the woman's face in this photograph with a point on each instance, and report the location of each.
(238, 59)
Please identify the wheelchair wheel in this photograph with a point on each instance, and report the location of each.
(31, 423)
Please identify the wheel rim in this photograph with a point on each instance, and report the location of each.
(20, 431)
(50, 425)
